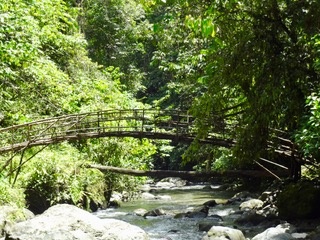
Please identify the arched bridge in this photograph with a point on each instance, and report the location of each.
(174, 125)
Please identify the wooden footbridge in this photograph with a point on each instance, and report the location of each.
(138, 123)
(175, 125)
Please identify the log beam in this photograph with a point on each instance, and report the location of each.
(189, 174)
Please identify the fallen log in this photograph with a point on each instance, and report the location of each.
(189, 174)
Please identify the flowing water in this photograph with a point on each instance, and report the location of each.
(183, 199)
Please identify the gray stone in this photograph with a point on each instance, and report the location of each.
(155, 213)
(10, 214)
(67, 222)
(171, 182)
(148, 196)
(223, 233)
(281, 232)
(251, 204)
(210, 203)
(163, 197)
(206, 225)
(200, 212)
(165, 185)
(140, 212)
(250, 218)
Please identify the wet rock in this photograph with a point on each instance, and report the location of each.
(9, 215)
(145, 188)
(240, 197)
(171, 182)
(180, 215)
(165, 185)
(266, 195)
(251, 204)
(201, 212)
(140, 212)
(196, 215)
(251, 218)
(210, 203)
(115, 200)
(68, 222)
(148, 196)
(216, 217)
(302, 236)
(223, 233)
(281, 232)
(155, 213)
(206, 225)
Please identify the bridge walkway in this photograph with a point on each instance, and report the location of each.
(138, 123)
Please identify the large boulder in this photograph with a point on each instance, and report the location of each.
(11, 214)
(281, 232)
(67, 222)
(224, 233)
(171, 182)
(251, 204)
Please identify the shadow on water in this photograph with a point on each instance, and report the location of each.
(182, 200)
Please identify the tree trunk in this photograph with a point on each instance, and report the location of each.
(188, 174)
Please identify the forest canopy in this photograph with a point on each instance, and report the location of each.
(244, 69)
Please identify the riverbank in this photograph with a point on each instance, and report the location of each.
(173, 210)
(251, 212)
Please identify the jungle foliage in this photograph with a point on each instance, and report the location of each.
(241, 68)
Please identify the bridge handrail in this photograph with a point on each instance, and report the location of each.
(174, 122)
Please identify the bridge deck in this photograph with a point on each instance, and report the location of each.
(139, 123)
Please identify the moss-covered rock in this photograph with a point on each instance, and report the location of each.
(299, 201)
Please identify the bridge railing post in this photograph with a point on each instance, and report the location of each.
(98, 121)
(142, 122)
(177, 125)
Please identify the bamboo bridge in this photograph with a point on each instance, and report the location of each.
(175, 125)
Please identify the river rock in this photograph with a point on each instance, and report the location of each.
(210, 203)
(206, 225)
(201, 212)
(68, 222)
(155, 213)
(281, 232)
(223, 233)
(180, 215)
(251, 218)
(145, 188)
(140, 212)
(165, 185)
(251, 204)
(11, 214)
(171, 182)
(240, 197)
(115, 200)
(148, 196)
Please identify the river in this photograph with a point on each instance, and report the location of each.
(183, 199)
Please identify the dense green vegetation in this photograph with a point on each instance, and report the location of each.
(242, 68)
